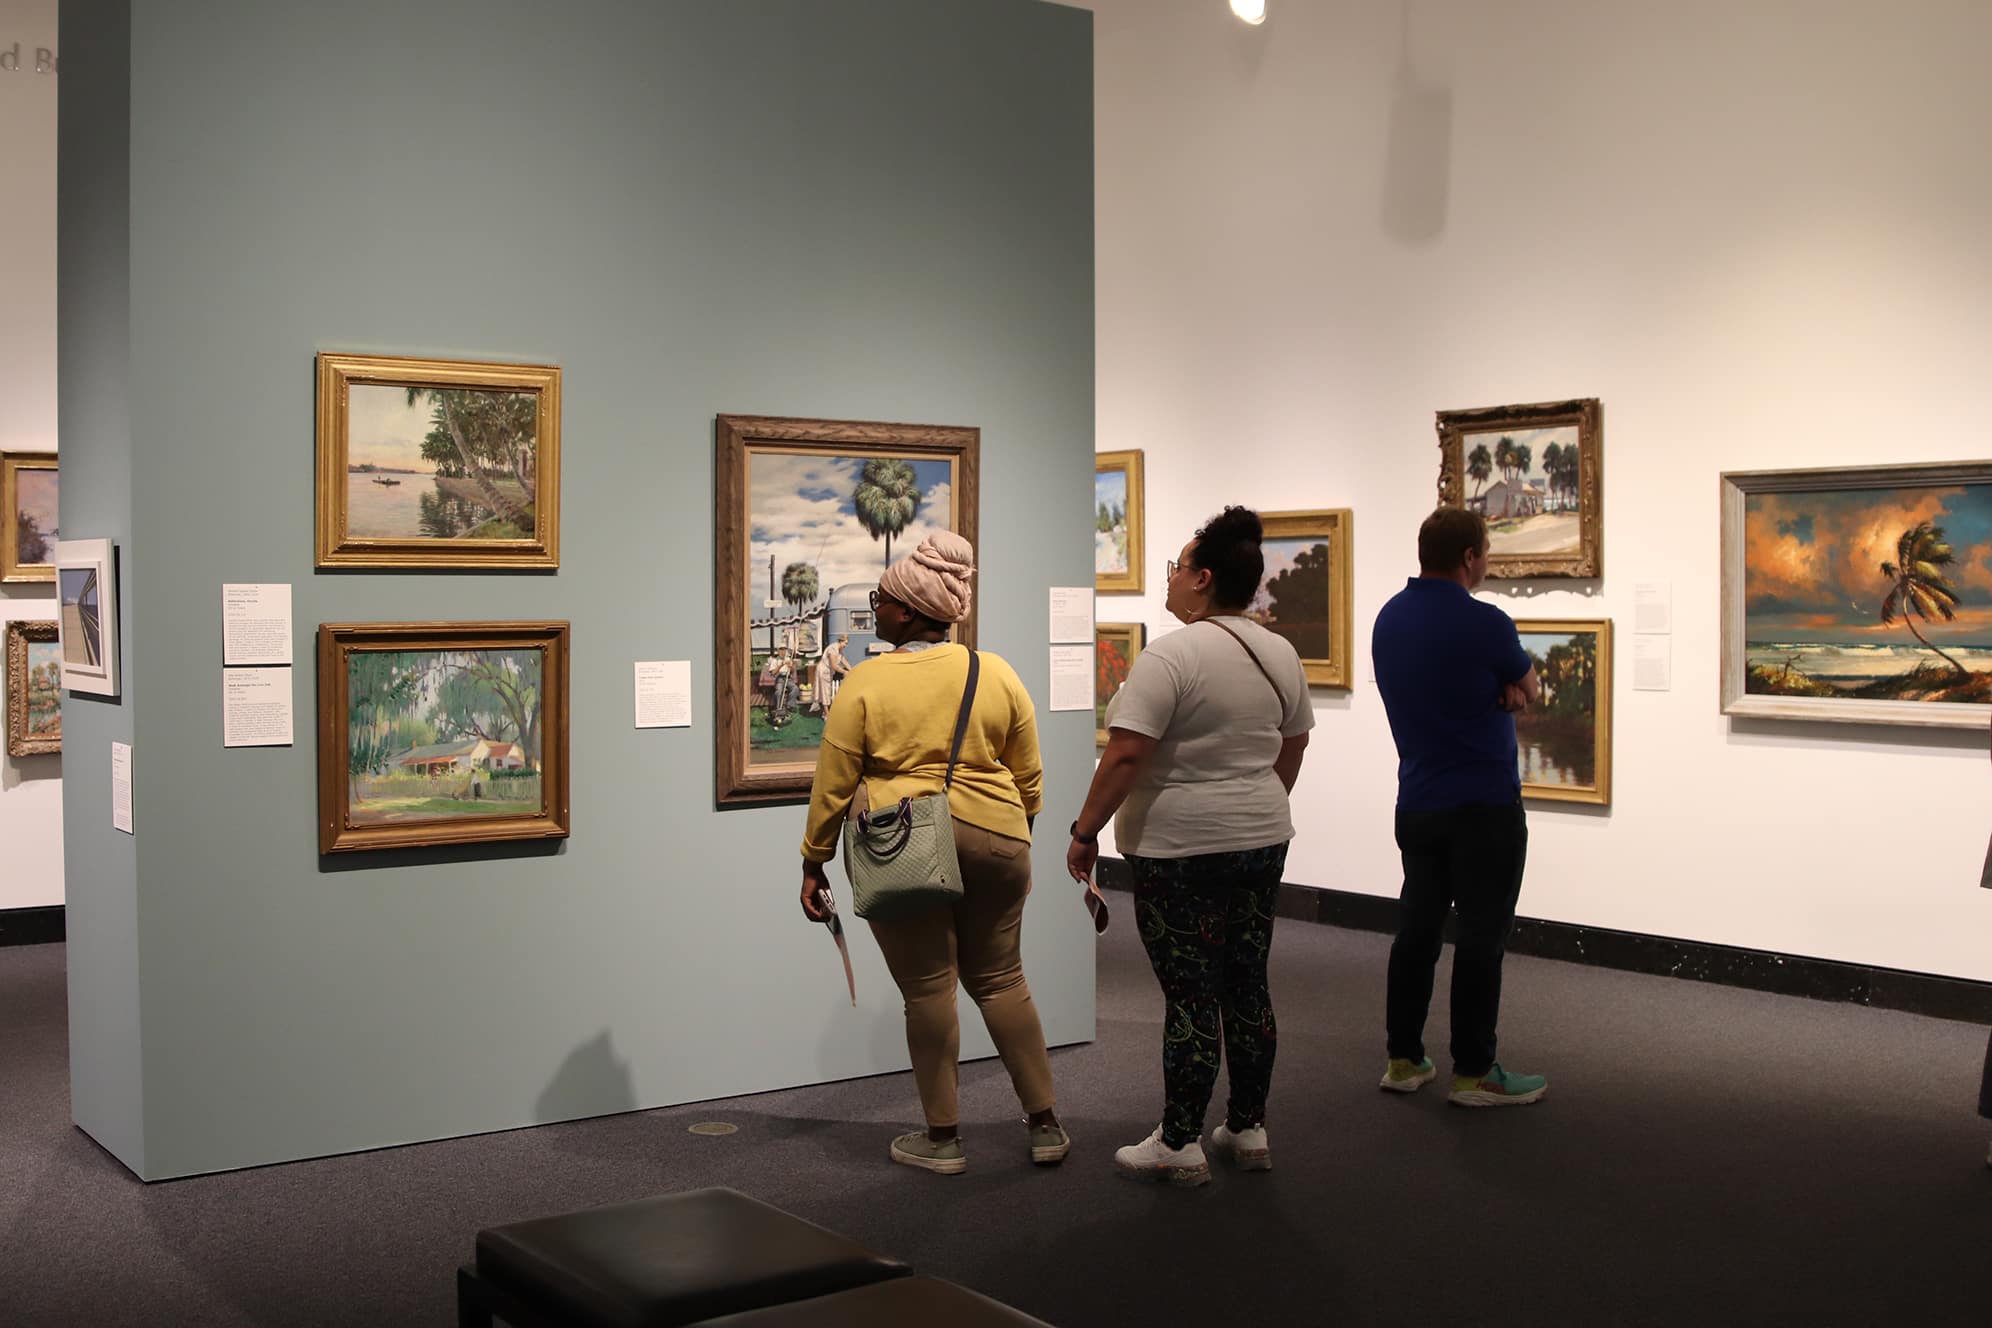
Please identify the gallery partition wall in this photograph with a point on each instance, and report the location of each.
(845, 210)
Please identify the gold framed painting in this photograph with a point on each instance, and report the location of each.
(1118, 550)
(1307, 595)
(34, 689)
(810, 512)
(29, 518)
(437, 463)
(441, 733)
(1115, 648)
(1534, 473)
(1564, 741)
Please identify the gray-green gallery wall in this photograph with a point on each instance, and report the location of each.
(859, 209)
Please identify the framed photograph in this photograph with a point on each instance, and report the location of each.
(28, 517)
(1307, 594)
(1533, 472)
(1564, 741)
(1117, 540)
(810, 512)
(1859, 594)
(1115, 648)
(34, 689)
(441, 733)
(86, 592)
(437, 463)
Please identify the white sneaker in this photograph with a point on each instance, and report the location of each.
(1151, 1159)
(1249, 1150)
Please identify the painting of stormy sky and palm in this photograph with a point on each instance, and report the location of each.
(1873, 594)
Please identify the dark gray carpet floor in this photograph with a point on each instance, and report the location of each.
(1706, 1155)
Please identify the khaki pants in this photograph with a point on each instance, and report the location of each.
(976, 942)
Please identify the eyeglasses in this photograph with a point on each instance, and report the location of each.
(1170, 568)
(874, 601)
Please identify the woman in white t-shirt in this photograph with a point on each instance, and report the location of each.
(1205, 740)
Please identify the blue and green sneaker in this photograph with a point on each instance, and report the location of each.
(1497, 1088)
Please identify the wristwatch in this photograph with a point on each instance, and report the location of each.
(1084, 839)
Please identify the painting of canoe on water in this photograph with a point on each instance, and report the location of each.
(1859, 595)
(441, 733)
(437, 463)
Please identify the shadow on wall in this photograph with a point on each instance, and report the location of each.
(592, 1081)
(1417, 163)
(18, 770)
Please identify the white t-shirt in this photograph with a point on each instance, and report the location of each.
(1210, 787)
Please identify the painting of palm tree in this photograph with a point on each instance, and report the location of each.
(1918, 587)
(886, 499)
(1479, 467)
(1563, 742)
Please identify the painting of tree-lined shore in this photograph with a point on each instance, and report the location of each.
(1556, 739)
(440, 734)
(1875, 594)
(441, 463)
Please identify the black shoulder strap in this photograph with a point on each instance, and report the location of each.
(1264, 672)
(961, 720)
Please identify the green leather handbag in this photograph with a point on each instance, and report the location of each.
(902, 860)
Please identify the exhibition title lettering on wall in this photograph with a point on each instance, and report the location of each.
(14, 61)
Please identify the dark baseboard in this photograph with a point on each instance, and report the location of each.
(31, 926)
(1733, 966)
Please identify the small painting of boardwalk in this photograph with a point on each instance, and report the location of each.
(34, 689)
(29, 519)
(1870, 594)
(435, 463)
(81, 594)
(1563, 740)
(1117, 522)
(1532, 471)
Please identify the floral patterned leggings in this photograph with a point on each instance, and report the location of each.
(1207, 923)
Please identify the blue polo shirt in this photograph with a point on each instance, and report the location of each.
(1442, 658)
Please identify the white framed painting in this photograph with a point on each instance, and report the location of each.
(86, 580)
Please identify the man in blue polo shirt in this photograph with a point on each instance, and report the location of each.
(1453, 673)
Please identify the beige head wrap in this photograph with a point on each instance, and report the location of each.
(933, 579)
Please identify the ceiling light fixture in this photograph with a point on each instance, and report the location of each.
(1252, 11)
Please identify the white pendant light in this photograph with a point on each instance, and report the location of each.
(1252, 11)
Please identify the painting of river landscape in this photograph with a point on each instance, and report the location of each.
(1878, 593)
(1563, 740)
(431, 463)
(29, 518)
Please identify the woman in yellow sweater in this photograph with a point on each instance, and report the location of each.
(889, 732)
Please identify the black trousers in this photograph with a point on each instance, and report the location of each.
(1985, 1085)
(1471, 859)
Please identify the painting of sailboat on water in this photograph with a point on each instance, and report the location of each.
(1867, 595)
(435, 463)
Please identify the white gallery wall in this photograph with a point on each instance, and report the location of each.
(30, 786)
(1757, 231)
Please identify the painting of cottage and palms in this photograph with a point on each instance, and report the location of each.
(439, 734)
(1556, 739)
(440, 463)
(1882, 594)
(1526, 483)
(821, 528)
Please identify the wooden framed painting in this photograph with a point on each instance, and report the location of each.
(86, 592)
(28, 516)
(1117, 523)
(34, 689)
(1564, 741)
(441, 733)
(437, 463)
(1307, 593)
(1859, 594)
(1115, 648)
(1534, 473)
(810, 512)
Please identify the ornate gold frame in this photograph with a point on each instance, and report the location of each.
(19, 633)
(338, 641)
(336, 376)
(11, 465)
(740, 783)
(1337, 527)
(1130, 582)
(1586, 415)
(1134, 636)
(1600, 794)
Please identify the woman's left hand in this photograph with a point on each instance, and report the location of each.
(1080, 859)
(814, 879)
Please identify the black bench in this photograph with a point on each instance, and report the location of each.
(659, 1263)
(903, 1302)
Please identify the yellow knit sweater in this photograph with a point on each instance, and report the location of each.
(891, 725)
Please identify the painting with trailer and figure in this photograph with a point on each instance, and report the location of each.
(1563, 742)
(810, 513)
(1859, 594)
(433, 733)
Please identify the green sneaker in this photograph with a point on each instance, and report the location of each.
(1497, 1088)
(1049, 1144)
(1405, 1076)
(917, 1150)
